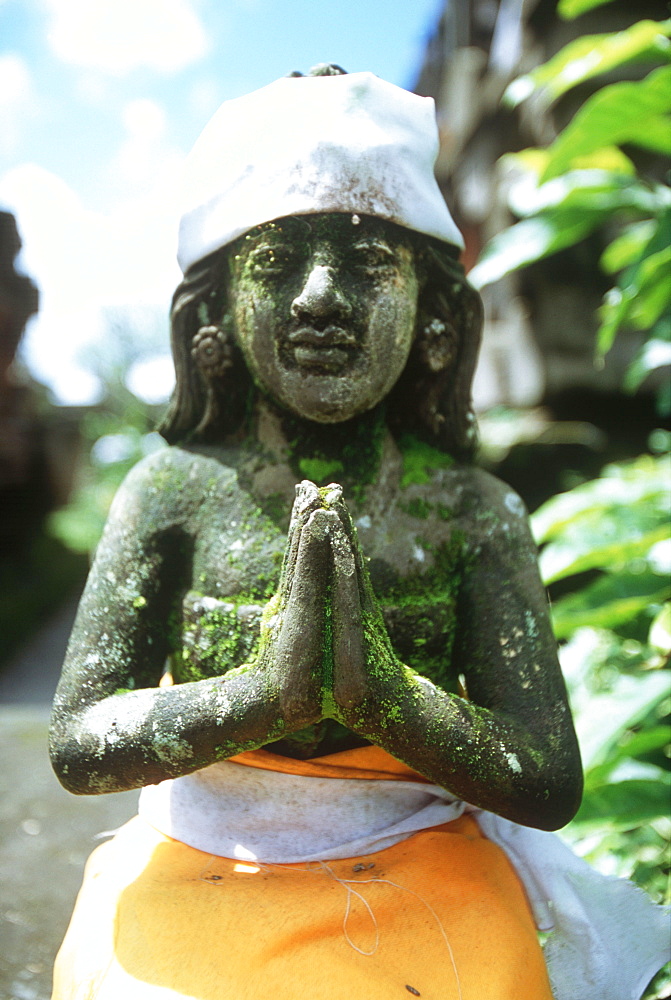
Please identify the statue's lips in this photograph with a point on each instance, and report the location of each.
(329, 349)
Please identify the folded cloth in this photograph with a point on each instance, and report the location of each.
(260, 814)
(606, 937)
(440, 915)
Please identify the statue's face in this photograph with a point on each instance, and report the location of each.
(324, 310)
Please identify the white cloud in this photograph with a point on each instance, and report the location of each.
(153, 380)
(118, 36)
(144, 118)
(93, 89)
(205, 96)
(14, 80)
(17, 101)
(145, 162)
(86, 264)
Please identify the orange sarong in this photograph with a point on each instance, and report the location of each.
(441, 915)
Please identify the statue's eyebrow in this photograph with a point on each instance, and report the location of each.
(282, 230)
(264, 245)
(269, 240)
(374, 243)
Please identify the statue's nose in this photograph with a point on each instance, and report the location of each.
(320, 297)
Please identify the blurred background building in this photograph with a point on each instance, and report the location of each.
(540, 324)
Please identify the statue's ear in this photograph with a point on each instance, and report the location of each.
(211, 378)
(436, 344)
(212, 349)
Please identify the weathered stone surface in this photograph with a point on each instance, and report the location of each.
(327, 347)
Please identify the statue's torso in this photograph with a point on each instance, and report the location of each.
(415, 535)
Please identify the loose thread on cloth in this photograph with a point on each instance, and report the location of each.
(321, 867)
(385, 881)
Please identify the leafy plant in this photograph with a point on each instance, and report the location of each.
(586, 180)
(605, 545)
(609, 541)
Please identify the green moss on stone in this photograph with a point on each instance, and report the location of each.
(420, 460)
(320, 470)
(218, 641)
(428, 602)
(417, 507)
(349, 452)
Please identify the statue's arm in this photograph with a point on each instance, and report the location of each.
(511, 747)
(113, 727)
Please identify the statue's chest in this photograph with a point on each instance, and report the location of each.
(236, 568)
(238, 560)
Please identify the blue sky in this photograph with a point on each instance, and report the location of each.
(100, 100)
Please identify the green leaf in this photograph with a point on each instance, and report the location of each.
(633, 745)
(627, 247)
(569, 9)
(569, 207)
(643, 292)
(608, 158)
(639, 304)
(603, 719)
(530, 160)
(590, 56)
(639, 485)
(572, 555)
(606, 523)
(613, 313)
(655, 353)
(611, 601)
(660, 630)
(624, 804)
(625, 112)
(654, 289)
(663, 400)
(596, 191)
(531, 240)
(593, 659)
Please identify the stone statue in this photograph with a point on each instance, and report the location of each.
(243, 609)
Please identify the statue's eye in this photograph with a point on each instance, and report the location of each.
(270, 260)
(373, 257)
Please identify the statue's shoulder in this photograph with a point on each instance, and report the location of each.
(475, 487)
(484, 491)
(167, 486)
(493, 515)
(479, 501)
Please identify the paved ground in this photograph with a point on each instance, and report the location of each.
(46, 834)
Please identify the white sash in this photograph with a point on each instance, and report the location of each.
(236, 811)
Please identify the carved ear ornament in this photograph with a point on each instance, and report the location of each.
(434, 329)
(212, 350)
(437, 345)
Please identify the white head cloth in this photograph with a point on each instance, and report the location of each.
(302, 145)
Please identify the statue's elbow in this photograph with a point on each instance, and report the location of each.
(74, 768)
(561, 800)
(68, 775)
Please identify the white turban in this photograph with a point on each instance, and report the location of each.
(303, 145)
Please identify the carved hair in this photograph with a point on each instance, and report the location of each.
(434, 405)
